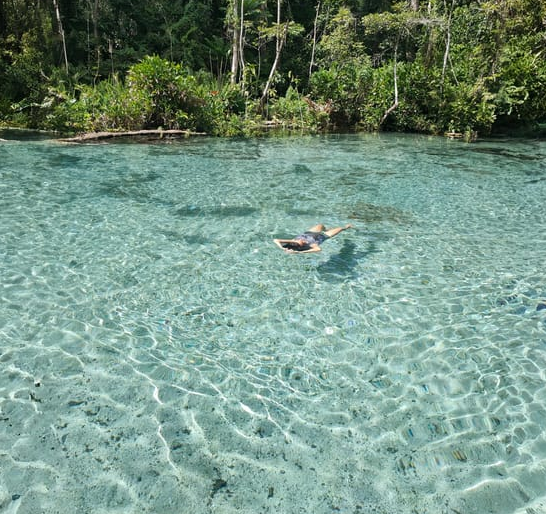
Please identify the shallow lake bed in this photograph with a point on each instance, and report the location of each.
(161, 354)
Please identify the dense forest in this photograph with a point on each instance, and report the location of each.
(232, 67)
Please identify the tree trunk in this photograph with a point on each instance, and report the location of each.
(235, 42)
(241, 39)
(395, 104)
(152, 133)
(274, 66)
(3, 23)
(448, 44)
(61, 33)
(279, 42)
(94, 9)
(315, 24)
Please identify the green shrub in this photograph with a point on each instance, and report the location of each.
(169, 96)
(379, 98)
(344, 87)
(297, 112)
(157, 93)
(468, 108)
(520, 84)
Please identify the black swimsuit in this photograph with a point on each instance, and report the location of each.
(309, 238)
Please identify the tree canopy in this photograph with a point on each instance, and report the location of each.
(229, 66)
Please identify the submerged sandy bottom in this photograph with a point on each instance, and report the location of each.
(160, 354)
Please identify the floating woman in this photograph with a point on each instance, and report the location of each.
(310, 240)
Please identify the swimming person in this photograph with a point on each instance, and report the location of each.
(310, 240)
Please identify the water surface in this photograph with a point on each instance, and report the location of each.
(160, 354)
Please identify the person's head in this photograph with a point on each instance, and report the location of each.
(295, 244)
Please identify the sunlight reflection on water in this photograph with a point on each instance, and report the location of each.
(160, 351)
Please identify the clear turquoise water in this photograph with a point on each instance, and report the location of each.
(160, 355)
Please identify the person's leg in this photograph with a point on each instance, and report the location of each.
(317, 228)
(335, 231)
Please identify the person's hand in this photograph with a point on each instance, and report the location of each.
(348, 226)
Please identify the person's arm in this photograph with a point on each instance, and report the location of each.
(313, 248)
(280, 242)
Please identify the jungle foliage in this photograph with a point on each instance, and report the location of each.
(232, 67)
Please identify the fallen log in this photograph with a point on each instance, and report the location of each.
(157, 133)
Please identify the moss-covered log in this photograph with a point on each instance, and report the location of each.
(152, 133)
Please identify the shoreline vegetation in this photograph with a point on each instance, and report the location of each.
(461, 69)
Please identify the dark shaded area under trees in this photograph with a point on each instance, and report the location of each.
(231, 67)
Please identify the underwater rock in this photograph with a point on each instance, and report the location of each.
(218, 484)
(371, 213)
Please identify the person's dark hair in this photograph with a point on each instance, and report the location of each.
(295, 246)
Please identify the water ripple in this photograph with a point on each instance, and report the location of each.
(158, 348)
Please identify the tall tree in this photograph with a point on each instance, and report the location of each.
(61, 33)
(235, 21)
(93, 9)
(3, 22)
(280, 38)
(314, 39)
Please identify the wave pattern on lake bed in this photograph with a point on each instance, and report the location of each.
(159, 354)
